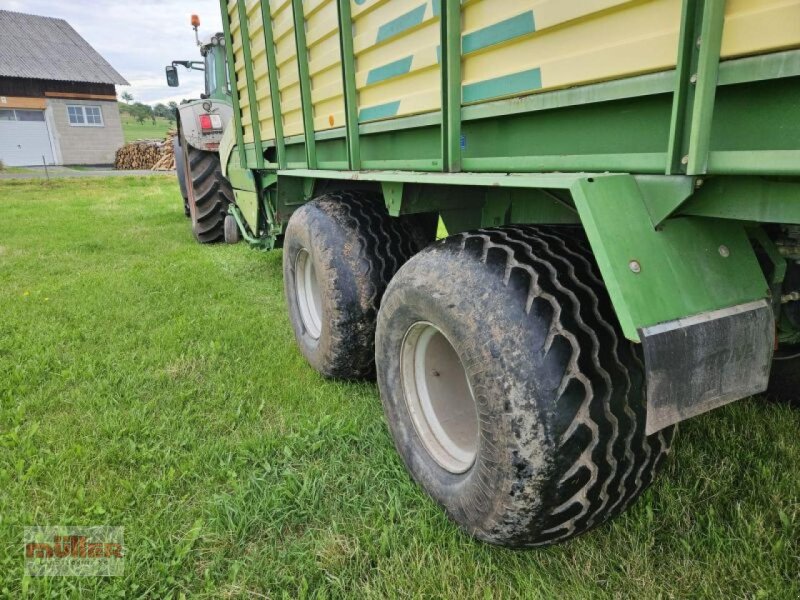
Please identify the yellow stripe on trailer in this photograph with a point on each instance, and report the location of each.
(758, 26)
(566, 43)
(324, 63)
(258, 56)
(519, 47)
(286, 58)
(241, 77)
(396, 47)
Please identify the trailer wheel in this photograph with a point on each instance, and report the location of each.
(231, 230)
(510, 392)
(784, 380)
(210, 194)
(340, 252)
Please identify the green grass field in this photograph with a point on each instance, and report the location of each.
(144, 131)
(151, 383)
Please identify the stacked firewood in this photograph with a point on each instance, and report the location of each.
(158, 155)
(141, 154)
(167, 160)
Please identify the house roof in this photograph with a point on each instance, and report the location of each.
(35, 47)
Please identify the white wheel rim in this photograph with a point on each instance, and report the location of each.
(308, 294)
(439, 397)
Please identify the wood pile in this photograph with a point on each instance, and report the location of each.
(167, 160)
(157, 155)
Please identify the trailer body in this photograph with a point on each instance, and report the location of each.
(663, 127)
(665, 131)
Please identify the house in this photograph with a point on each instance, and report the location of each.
(58, 103)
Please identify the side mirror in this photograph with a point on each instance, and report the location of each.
(172, 76)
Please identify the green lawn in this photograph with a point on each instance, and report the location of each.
(152, 383)
(14, 170)
(145, 131)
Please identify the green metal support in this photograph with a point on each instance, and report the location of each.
(710, 43)
(237, 111)
(393, 196)
(251, 91)
(750, 199)
(451, 84)
(349, 81)
(556, 181)
(687, 267)
(664, 195)
(274, 88)
(305, 82)
(696, 86)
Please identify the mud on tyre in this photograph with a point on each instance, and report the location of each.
(510, 392)
(340, 252)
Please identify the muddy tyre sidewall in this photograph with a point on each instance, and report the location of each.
(559, 392)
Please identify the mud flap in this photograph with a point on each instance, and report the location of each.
(699, 363)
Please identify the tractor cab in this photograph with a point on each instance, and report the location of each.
(212, 50)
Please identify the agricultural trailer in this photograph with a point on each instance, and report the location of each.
(201, 124)
(620, 185)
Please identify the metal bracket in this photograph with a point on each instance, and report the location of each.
(393, 196)
(663, 195)
(687, 267)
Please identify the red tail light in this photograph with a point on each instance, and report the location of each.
(205, 122)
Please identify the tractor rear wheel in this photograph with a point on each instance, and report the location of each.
(510, 392)
(339, 253)
(209, 192)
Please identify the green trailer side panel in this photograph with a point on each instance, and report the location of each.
(628, 135)
(687, 267)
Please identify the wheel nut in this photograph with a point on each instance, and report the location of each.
(724, 251)
(635, 266)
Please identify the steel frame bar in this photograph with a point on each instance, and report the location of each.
(305, 82)
(237, 111)
(695, 86)
(244, 26)
(349, 82)
(274, 90)
(450, 18)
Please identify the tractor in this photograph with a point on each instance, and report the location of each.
(206, 192)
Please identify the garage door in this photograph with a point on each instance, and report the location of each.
(24, 138)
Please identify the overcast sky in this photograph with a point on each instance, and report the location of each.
(139, 38)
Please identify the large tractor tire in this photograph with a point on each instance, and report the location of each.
(784, 380)
(180, 171)
(339, 253)
(210, 194)
(510, 392)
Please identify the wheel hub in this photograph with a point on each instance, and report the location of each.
(309, 299)
(439, 398)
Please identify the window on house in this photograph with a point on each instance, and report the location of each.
(84, 116)
(10, 114)
(29, 115)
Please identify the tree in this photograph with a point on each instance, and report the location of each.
(127, 97)
(141, 112)
(173, 111)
